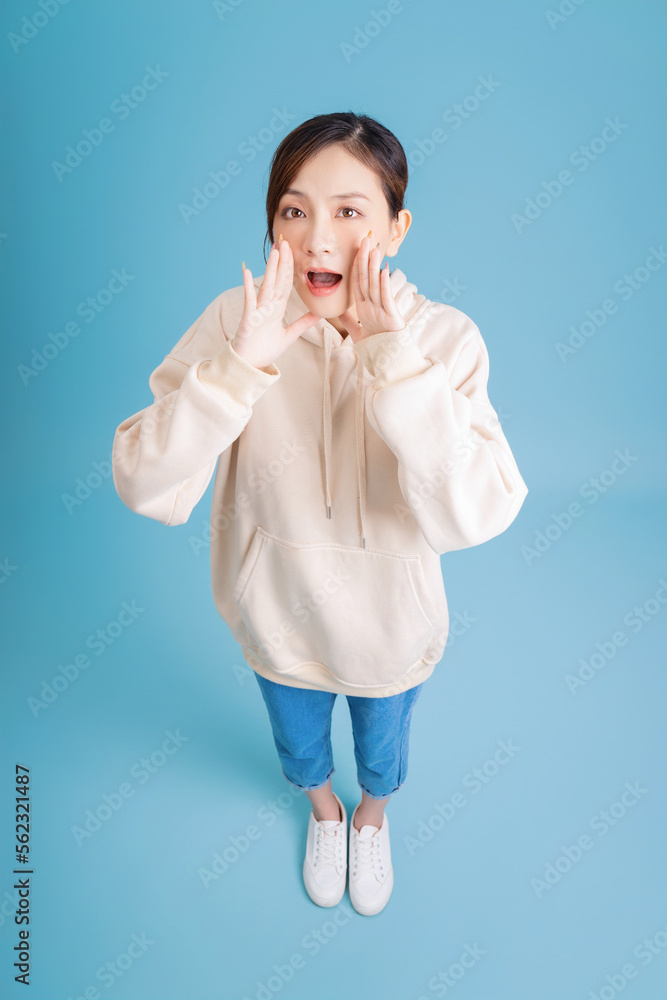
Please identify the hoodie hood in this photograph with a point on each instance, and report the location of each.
(324, 335)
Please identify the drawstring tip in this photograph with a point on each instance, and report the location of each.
(329, 512)
(363, 541)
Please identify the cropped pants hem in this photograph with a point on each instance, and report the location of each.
(301, 723)
(315, 787)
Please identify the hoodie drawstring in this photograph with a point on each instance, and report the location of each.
(360, 432)
(326, 418)
(361, 449)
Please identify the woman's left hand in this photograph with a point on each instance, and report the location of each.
(376, 310)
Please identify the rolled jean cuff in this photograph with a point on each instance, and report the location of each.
(378, 797)
(314, 787)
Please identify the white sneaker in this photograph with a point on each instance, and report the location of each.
(325, 864)
(371, 871)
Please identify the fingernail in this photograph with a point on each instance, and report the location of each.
(369, 233)
(378, 244)
(243, 265)
(280, 237)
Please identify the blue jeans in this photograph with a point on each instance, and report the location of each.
(301, 723)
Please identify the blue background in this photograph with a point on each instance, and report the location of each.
(68, 568)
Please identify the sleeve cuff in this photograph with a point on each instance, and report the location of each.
(229, 371)
(392, 357)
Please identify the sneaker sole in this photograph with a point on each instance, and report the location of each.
(320, 900)
(370, 911)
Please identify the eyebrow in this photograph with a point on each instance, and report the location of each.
(334, 197)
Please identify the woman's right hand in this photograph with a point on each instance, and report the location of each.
(261, 337)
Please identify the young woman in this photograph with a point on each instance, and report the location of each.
(342, 476)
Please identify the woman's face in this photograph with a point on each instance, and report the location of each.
(324, 214)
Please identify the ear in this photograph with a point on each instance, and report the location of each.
(400, 229)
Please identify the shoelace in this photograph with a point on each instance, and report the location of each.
(327, 846)
(368, 857)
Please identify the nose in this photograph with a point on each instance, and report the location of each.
(318, 239)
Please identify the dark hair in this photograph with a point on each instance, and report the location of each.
(363, 137)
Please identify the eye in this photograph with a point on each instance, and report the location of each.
(290, 208)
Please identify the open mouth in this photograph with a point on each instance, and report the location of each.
(322, 282)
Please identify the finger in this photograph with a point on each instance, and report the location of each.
(281, 261)
(300, 325)
(386, 297)
(285, 278)
(388, 301)
(356, 280)
(249, 292)
(268, 284)
(374, 276)
(363, 267)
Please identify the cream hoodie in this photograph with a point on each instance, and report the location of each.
(342, 477)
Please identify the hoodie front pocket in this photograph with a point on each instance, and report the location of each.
(364, 614)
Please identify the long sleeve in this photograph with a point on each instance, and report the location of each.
(456, 471)
(163, 456)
